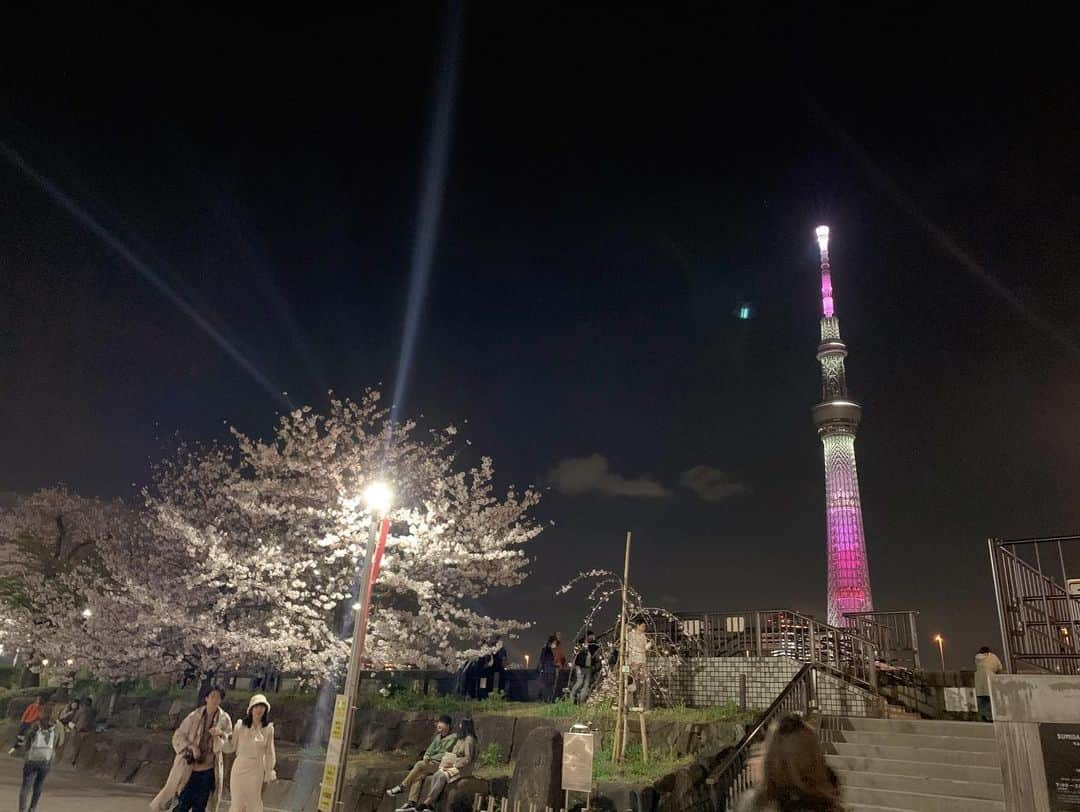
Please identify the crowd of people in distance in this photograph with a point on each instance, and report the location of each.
(479, 677)
(576, 681)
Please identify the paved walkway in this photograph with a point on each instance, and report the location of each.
(69, 790)
(66, 790)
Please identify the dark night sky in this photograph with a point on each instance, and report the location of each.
(618, 184)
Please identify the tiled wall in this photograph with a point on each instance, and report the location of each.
(750, 682)
(699, 682)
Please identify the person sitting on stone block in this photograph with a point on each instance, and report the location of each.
(427, 765)
(456, 764)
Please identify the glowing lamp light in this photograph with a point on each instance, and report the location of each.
(356, 606)
(378, 497)
(88, 612)
(71, 662)
(938, 638)
(45, 663)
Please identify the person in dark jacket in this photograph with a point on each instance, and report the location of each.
(548, 670)
(585, 664)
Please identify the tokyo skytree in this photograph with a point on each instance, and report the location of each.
(837, 420)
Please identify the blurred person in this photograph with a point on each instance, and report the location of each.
(795, 777)
(986, 665)
(548, 671)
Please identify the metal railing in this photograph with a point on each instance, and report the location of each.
(735, 775)
(894, 634)
(770, 633)
(1039, 619)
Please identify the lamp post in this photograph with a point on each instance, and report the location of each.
(941, 650)
(378, 497)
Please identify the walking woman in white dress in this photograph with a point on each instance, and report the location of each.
(253, 742)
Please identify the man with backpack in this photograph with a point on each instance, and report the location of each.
(43, 739)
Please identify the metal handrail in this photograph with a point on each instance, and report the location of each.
(732, 777)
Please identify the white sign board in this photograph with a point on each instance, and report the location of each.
(577, 761)
(1073, 585)
(333, 754)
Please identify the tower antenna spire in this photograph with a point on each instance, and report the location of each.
(822, 233)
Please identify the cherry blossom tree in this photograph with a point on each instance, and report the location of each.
(246, 553)
(271, 533)
(60, 600)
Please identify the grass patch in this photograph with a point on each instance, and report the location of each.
(633, 769)
(406, 701)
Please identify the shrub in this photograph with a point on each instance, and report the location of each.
(491, 756)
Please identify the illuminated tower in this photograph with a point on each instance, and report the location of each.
(837, 419)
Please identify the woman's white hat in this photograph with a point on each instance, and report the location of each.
(259, 699)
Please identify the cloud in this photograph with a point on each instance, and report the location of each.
(711, 484)
(593, 475)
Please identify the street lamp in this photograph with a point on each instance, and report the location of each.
(941, 650)
(378, 498)
(87, 613)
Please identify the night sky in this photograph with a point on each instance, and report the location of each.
(617, 185)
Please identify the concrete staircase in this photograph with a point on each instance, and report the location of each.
(924, 766)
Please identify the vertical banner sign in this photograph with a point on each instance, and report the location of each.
(334, 749)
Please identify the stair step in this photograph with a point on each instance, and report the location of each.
(869, 808)
(918, 801)
(916, 769)
(922, 727)
(891, 739)
(933, 755)
(985, 790)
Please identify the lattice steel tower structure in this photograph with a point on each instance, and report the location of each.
(837, 420)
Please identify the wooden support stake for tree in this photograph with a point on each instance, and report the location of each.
(491, 803)
(619, 745)
(644, 739)
(478, 802)
(504, 805)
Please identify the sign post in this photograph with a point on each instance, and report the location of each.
(335, 761)
(333, 754)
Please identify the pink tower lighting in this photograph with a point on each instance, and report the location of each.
(837, 419)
